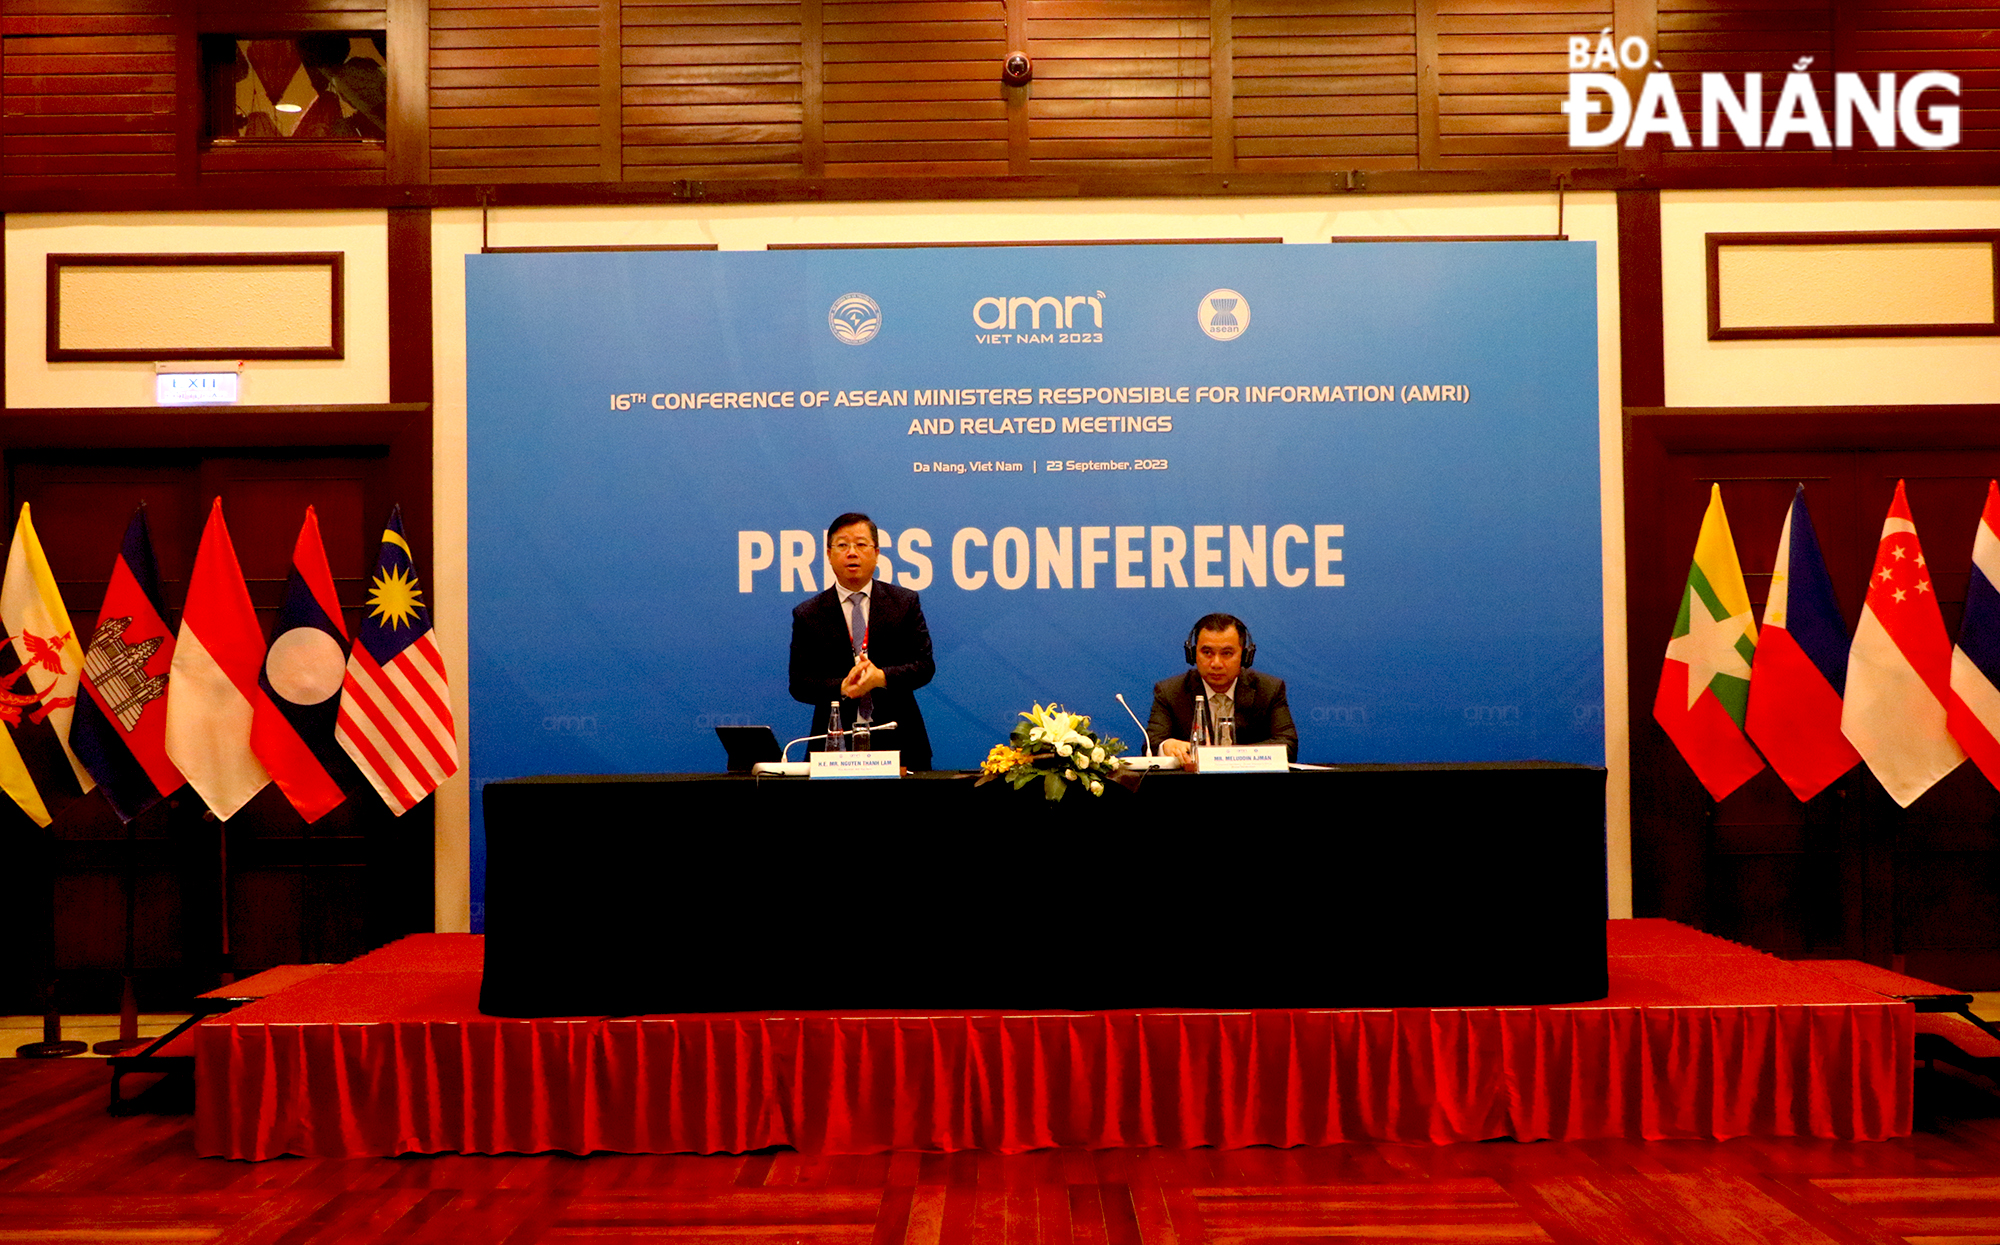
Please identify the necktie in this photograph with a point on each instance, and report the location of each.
(857, 634)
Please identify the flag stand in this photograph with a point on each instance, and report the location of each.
(128, 1000)
(52, 1045)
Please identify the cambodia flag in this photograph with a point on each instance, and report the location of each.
(120, 728)
(1800, 671)
(1974, 709)
(1899, 668)
(293, 732)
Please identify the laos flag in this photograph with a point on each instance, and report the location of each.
(1974, 709)
(293, 734)
(1800, 673)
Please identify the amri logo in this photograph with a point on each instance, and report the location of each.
(1882, 107)
(1064, 313)
(854, 319)
(1224, 314)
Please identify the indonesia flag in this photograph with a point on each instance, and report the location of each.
(395, 709)
(1801, 667)
(1974, 709)
(120, 728)
(1899, 668)
(1705, 679)
(217, 657)
(300, 683)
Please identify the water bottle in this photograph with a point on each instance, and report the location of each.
(1225, 732)
(1199, 737)
(836, 738)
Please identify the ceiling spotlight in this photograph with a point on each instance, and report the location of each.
(289, 108)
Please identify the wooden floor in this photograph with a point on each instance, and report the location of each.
(70, 1172)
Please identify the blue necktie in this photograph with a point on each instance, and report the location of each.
(857, 635)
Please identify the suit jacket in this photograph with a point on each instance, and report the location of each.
(899, 643)
(1263, 715)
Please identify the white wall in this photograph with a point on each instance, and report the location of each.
(361, 377)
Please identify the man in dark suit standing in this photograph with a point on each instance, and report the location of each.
(864, 642)
(1219, 649)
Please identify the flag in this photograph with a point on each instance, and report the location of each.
(1973, 712)
(395, 707)
(299, 683)
(39, 668)
(1705, 680)
(1801, 666)
(120, 728)
(1899, 668)
(217, 657)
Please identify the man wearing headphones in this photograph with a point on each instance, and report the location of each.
(1221, 689)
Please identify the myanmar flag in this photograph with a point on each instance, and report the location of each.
(1705, 680)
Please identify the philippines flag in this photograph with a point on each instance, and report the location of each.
(293, 733)
(395, 708)
(1974, 709)
(217, 657)
(1801, 666)
(1899, 668)
(120, 728)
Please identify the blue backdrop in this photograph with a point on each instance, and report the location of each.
(1383, 456)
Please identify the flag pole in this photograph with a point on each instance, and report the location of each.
(128, 999)
(52, 1045)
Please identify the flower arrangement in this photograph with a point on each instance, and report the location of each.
(1056, 748)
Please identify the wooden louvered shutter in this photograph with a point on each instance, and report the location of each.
(1735, 37)
(1325, 83)
(711, 88)
(514, 91)
(1910, 36)
(1120, 86)
(1503, 72)
(89, 90)
(915, 88)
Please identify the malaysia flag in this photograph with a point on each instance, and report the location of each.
(300, 679)
(1800, 670)
(395, 713)
(1899, 668)
(120, 728)
(217, 656)
(1974, 710)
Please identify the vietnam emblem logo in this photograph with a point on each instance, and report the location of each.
(854, 319)
(1223, 314)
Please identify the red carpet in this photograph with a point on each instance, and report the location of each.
(1700, 1038)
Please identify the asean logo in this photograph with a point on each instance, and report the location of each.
(854, 319)
(1224, 314)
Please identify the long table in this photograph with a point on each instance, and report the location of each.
(1366, 886)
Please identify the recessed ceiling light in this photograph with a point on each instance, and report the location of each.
(290, 108)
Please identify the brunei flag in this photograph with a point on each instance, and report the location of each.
(395, 710)
(1705, 680)
(293, 734)
(217, 656)
(1801, 667)
(1974, 709)
(120, 728)
(39, 669)
(1899, 668)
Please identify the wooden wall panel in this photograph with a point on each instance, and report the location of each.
(1121, 86)
(1735, 37)
(914, 88)
(1325, 84)
(261, 17)
(1909, 36)
(85, 98)
(514, 91)
(712, 88)
(1503, 71)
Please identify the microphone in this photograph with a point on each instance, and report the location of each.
(806, 739)
(1143, 734)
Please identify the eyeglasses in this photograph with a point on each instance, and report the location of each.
(854, 546)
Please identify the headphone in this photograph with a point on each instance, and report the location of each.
(1194, 633)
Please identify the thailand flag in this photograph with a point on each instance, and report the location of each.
(217, 656)
(120, 728)
(300, 681)
(1899, 668)
(1800, 670)
(1974, 711)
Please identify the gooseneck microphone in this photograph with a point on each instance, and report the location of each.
(1143, 733)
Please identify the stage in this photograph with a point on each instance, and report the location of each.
(1699, 1038)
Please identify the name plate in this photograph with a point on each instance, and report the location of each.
(860, 765)
(1244, 759)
